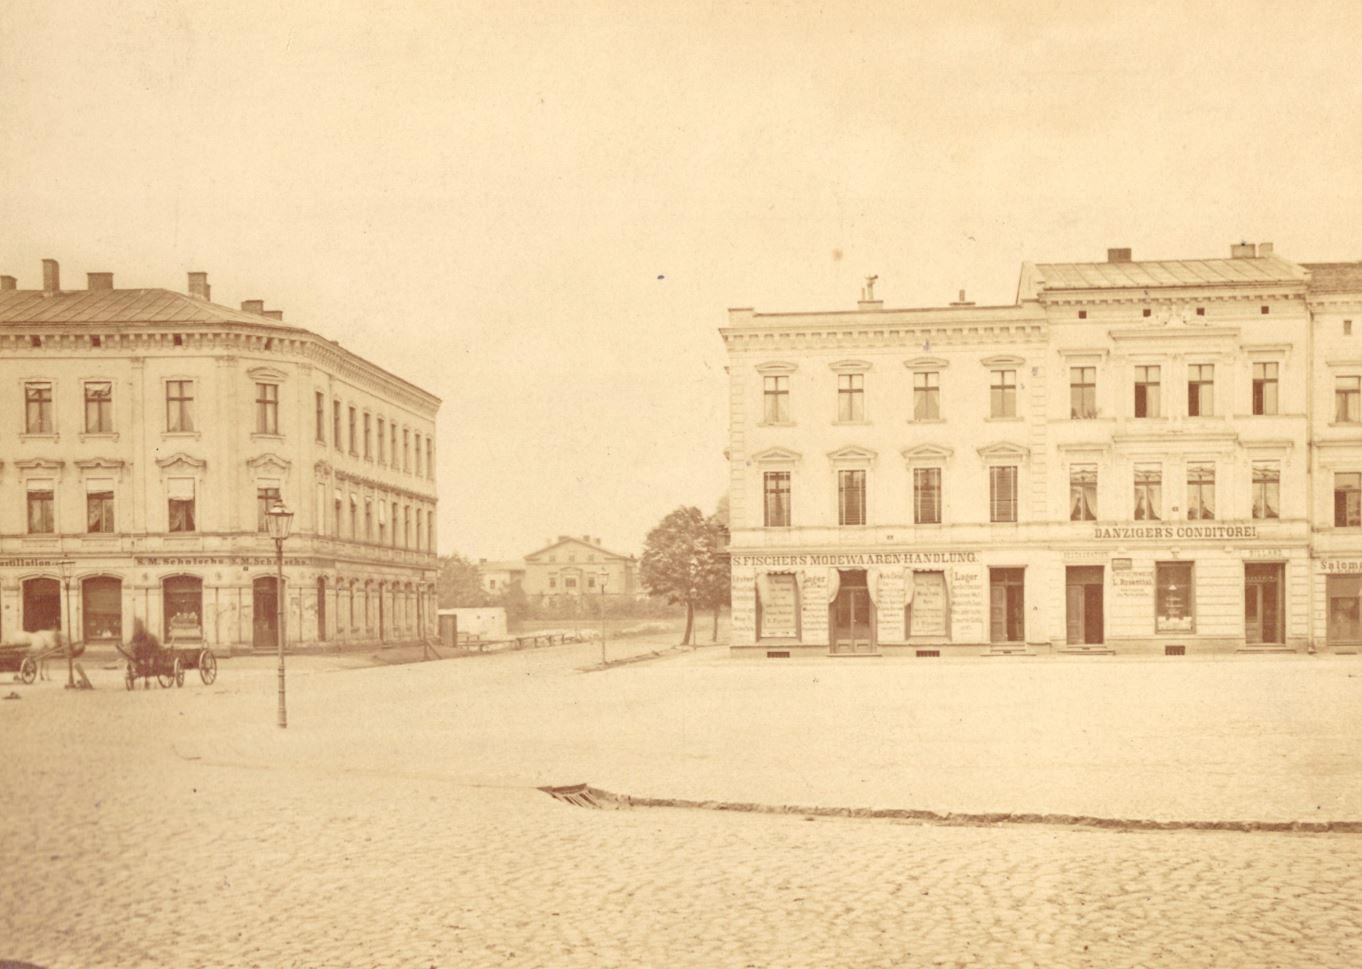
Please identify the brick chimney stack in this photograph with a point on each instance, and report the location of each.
(273, 314)
(51, 277)
(198, 286)
(8, 283)
(256, 306)
(99, 280)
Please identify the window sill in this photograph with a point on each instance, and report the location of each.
(40, 436)
(851, 423)
(775, 423)
(1004, 420)
(183, 435)
(98, 436)
(266, 436)
(926, 420)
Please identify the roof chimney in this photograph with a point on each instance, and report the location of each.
(198, 286)
(1243, 250)
(51, 277)
(99, 280)
(274, 314)
(8, 282)
(868, 300)
(256, 306)
(1118, 255)
(962, 301)
(1264, 249)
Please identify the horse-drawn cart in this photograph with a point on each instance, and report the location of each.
(183, 651)
(18, 658)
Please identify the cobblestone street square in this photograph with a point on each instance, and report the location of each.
(397, 822)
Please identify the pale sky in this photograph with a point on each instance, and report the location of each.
(540, 212)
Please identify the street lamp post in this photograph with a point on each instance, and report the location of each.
(66, 565)
(605, 576)
(279, 520)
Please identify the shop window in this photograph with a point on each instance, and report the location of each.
(102, 608)
(42, 604)
(927, 396)
(38, 408)
(1007, 605)
(776, 489)
(1200, 491)
(1002, 394)
(928, 606)
(1148, 493)
(41, 518)
(851, 397)
(1264, 388)
(927, 496)
(776, 400)
(179, 406)
(1174, 610)
(851, 497)
(1348, 400)
(267, 408)
(1002, 485)
(1083, 493)
(1148, 392)
(777, 607)
(1344, 593)
(183, 603)
(1266, 489)
(1347, 499)
(1200, 390)
(1082, 392)
(98, 407)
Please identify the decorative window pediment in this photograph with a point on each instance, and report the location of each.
(852, 454)
(1002, 360)
(1004, 451)
(39, 464)
(927, 363)
(101, 464)
(777, 455)
(1079, 354)
(322, 469)
(267, 374)
(1079, 449)
(849, 366)
(777, 367)
(268, 461)
(927, 454)
(181, 461)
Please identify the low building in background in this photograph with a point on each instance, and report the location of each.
(1134, 456)
(145, 434)
(496, 578)
(567, 567)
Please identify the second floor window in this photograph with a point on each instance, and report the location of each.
(1200, 390)
(776, 400)
(927, 496)
(1002, 493)
(851, 397)
(1148, 400)
(368, 437)
(98, 407)
(430, 460)
(1083, 493)
(1264, 388)
(1267, 476)
(776, 488)
(38, 408)
(927, 396)
(1200, 491)
(1148, 494)
(1002, 394)
(851, 497)
(179, 406)
(180, 499)
(417, 445)
(99, 509)
(406, 449)
(1082, 392)
(368, 520)
(1347, 499)
(266, 497)
(1348, 400)
(393, 428)
(41, 519)
(321, 417)
(336, 425)
(267, 408)
(382, 441)
(353, 439)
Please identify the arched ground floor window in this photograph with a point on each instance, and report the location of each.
(101, 607)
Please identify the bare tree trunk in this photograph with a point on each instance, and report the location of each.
(690, 624)
(714, 636)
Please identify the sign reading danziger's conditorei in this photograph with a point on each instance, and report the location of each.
(1197, 531)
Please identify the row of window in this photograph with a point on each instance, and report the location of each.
(1002, 394)
(373, 525)
(387, 451)
(1002, 504)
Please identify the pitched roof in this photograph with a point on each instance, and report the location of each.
(569, 540)
(29, 306)
(1334, 277)
(517, 566)
(1157, 273)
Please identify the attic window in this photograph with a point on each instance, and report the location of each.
(96, 340)
(1082, 314)
(1347, 327)
(179, 340)
(1264, 310)
(35, 341)
(1146, 311)
(1201, 311)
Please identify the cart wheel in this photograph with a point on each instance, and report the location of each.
(28, 670)
(166, 678)
(208, 667)
(179, 672)
(129, 677)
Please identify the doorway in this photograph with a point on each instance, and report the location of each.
(1007, 605)
(853, 619)
(1263, 604)
(1083, 595)
(42, 605)
(265, 597)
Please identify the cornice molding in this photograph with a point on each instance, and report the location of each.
(777, 368)
(777, 455)
(182, 459)
(268, 460)
(852, 454)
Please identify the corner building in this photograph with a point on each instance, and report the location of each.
(145, 432)
(1133, 457)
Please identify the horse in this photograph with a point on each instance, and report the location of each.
(42, 646)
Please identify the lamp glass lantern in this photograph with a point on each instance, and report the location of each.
(279, 521)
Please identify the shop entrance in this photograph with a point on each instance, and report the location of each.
(1083, 594)
(1007, 605)
(852, 615)
(1344, 593)
(42, 605)
(1263, 604)
(266, 605)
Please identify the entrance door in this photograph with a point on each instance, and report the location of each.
(1263, 604)
(852, 620)
(1007, 605)
(42, 605)
(266, 603)
(1083, 593)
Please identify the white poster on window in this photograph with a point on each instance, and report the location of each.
(928, 615)
(890, 597)
(780, 599)
(815, 607)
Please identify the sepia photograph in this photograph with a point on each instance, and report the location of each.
(747, 485)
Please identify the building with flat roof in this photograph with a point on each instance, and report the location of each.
(1133, 456)
(146, 432)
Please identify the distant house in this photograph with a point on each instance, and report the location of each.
(574, 566)
(496, 577)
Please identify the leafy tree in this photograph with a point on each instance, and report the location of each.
(458, 584)
(683, 557)
(716, 584)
